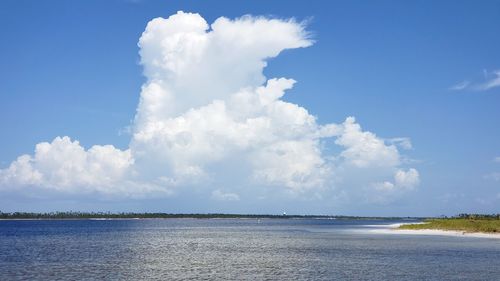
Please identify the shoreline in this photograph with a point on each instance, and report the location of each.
(130, 216)
(394, 229)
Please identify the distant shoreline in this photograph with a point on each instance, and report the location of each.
(126, 216)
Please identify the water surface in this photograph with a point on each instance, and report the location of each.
(236, 249)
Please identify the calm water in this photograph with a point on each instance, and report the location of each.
(236, 249)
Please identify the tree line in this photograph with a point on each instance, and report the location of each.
(133, 215)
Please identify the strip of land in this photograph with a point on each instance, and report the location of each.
(109, 215)
(395, 230)
(471, 227)
(483, 225)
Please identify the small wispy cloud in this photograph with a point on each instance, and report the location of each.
(402, 142)
(224, 196)
(495, 176)
(492, 81)
(460, 86)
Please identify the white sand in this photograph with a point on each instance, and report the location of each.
(393, 229)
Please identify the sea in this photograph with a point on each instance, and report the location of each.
(237, 249)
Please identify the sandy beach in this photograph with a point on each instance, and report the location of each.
(394, 229)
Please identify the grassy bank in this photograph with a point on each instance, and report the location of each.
(486, 225)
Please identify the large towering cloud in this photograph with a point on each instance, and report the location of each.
(207, 116)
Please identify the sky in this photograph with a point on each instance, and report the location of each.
(330, 107)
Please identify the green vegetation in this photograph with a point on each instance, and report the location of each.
(463, 222)
(108, 215)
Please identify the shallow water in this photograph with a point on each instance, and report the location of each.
(236, 249)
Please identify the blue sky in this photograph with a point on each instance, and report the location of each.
(74, 69)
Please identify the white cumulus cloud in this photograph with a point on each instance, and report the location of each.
(65, 164)
(407, 179)
(365, 149)
(402, 180)
(208, 114)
